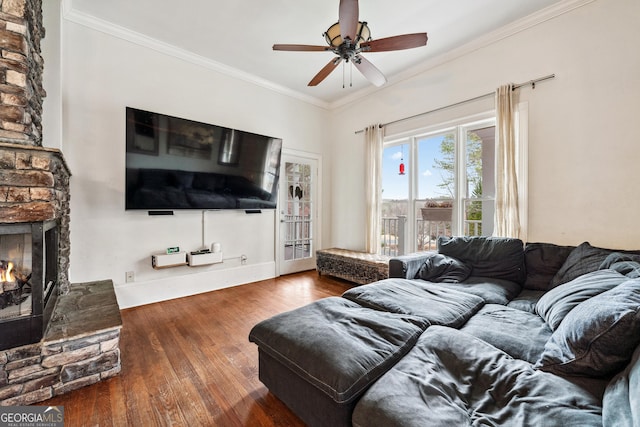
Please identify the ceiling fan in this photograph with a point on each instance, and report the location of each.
(348, 38)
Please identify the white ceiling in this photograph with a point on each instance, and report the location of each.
(236, 36)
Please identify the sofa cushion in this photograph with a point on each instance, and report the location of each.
(450, 378)
(554, 305)
(598, 336)
(438, 305)
(495, 257)
(520, 334)
(337, 345)
(492, 291)
(542, 261)
(621, 401)
(442, 268)
(582, 260)
(526, 300)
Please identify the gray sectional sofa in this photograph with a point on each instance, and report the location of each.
(485, 331)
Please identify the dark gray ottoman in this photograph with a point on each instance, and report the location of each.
(319, 359)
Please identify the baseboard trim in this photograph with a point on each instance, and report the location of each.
(148, 292)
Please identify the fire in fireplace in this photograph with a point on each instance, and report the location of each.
(28, 279)
(14, 286)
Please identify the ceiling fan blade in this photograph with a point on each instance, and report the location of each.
(369, 70)
(300, 47)
(348, 18)
(405, 41)
(326, 70)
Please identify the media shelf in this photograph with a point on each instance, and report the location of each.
(178, 259)
(205, 258)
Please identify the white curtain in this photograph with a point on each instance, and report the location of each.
(373, 186)
(507, 220)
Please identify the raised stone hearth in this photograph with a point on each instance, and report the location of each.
(81, 347)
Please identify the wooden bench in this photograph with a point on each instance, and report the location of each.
(354, 266)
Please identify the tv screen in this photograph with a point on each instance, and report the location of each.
(174, 163)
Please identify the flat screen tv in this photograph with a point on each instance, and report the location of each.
(174, 163)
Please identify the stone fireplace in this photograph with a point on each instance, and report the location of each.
(34, 185)
(28, 281)
(34, 239)
(54, 336)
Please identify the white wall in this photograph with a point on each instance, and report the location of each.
(103, 74)
(583, 145)
(50, 47)
(583, 142)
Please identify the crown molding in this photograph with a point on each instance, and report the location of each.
(548, 13)
(509, 30)
(73, 15)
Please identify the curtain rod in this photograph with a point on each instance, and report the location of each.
(513, 87)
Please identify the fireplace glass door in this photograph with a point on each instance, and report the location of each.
(15, 275)
(28, 281)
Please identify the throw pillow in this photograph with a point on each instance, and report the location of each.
(441, 268)
(598, 337)
(582, 260)
(624, 263)
(555, 304)
(631, 269)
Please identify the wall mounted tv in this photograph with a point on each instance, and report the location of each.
(174, 163)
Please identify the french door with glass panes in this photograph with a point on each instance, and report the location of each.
(298, 214)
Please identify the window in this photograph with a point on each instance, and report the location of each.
(447, 188)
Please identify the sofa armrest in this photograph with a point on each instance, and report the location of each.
(407, 266)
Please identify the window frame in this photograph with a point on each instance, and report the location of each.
(460, 127)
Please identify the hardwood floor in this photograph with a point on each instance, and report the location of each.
(188, 362)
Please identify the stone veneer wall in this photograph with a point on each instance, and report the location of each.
(34, 186)
(40, 371)
(21, 65)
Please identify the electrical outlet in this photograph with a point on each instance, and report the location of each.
(129, 277)
(243, 259)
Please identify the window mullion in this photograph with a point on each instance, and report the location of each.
(413, 193)
(457, 227)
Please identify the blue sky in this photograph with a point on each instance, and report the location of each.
(395, 186)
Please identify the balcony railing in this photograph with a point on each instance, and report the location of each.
(394, 242)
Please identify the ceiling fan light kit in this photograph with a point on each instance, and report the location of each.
(348, 37)
(334, 37)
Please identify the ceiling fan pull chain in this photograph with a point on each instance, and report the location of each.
(343, 75)
(351, 74)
